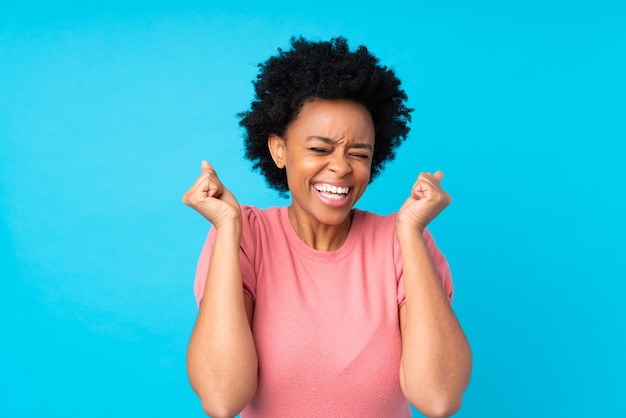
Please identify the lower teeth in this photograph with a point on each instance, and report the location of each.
(333, 196)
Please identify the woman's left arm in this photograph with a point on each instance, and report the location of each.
(436, 358)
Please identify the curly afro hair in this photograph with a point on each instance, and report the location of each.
(324, 70)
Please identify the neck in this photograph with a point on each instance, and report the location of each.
(319, 236)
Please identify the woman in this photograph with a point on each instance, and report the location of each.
(320, 309)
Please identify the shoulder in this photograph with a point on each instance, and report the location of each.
(259, 225)
(374, 223)
(375, 219)
(255, 217)
(378, 224)
(375, 230)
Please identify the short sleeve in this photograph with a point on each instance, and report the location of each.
(441, 265)
(247, 253)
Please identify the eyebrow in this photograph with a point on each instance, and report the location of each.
(331, 141)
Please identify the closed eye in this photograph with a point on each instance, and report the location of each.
(318, 150)
(363, 156)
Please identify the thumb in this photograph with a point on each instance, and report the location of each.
(438, 175)
(204, 165)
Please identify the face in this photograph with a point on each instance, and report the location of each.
(327, 153)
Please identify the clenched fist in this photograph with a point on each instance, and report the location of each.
(426, 201)
(211, 199)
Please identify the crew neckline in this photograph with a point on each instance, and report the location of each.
(354, 235)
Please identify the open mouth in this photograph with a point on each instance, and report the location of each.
(332, 192)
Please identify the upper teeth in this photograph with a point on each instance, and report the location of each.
(332, 189)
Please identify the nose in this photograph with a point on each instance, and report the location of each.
(339, 164)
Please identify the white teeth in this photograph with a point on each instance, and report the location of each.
(332, 196)
(332, 192)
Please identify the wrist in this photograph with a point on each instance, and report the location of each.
(407, 241)
(229, 229)
(409, 228)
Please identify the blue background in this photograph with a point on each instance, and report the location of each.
(107, 108)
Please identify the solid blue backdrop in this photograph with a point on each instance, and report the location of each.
(107, 109)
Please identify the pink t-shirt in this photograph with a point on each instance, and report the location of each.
(325, 325)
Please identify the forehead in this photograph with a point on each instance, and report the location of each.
(340, 120)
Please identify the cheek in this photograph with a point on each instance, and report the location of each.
(303, 166)
(365, 172)
(300, 171)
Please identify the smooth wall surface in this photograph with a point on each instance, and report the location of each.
(107, 109)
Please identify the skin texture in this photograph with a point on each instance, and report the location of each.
(221, 358)
(436, 358)
(329, 143)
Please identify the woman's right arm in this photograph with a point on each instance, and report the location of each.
(221, 358)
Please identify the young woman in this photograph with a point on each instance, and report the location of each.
(317, 308)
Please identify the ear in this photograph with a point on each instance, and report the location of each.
(276, 144)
